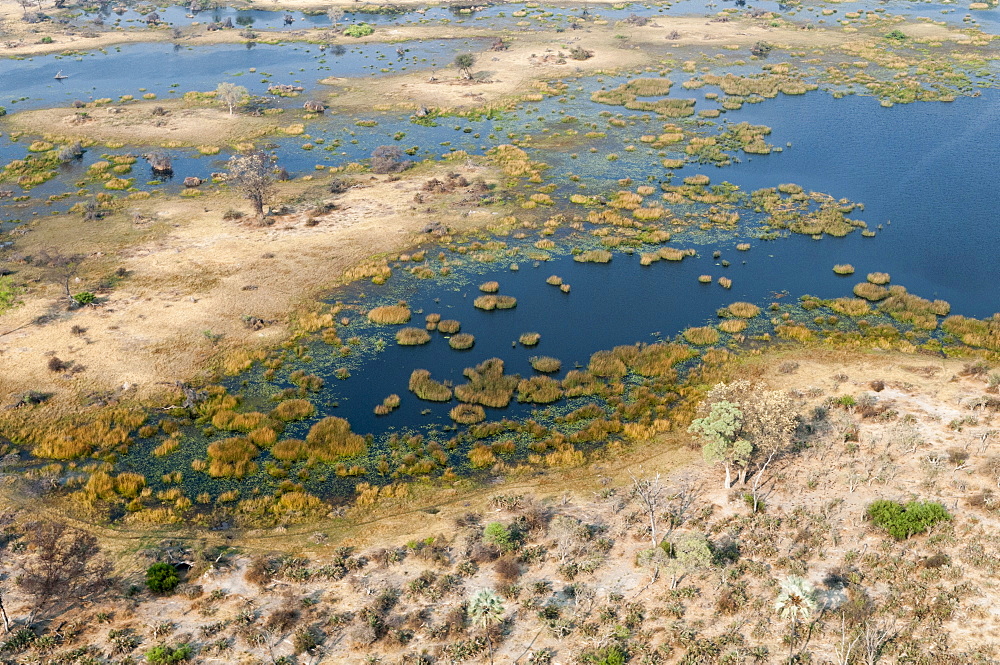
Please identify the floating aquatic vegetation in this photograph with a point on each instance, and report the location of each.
(879, 278)
(843, 269)
(593, 256)
(539, 390)
(388, 405)
(743, 310)
(733, 326)
(489, 287)
(870, 291)
(390, 314)
(488, 385)
(545, 364)
(467, 414)
(424, 387)
(412, 336)
(293, 409)
(491, 302)
(912, 309)
(461, 341)
(449, 326)
(701, 336)
(529, 338)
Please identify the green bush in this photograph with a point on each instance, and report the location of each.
(359, 30)
(612, 655)
(3, 111)
(896, 35)
(497, 534)
(163, 655)
(162, 578)
(84, 298)
(9, 292)
(904, 521)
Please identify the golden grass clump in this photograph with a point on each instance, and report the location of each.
(263, 437)
(412, 336)
(593, 256)
(449, 326)
(492, 302)
(983, 333)
(129, 484)
(795, 331)
(743, 247)
(529, 338)
(298, 502)
(606, 364)
(489, 287)
(481, 456)
(426, 388)
(468, 414)
(702, 336)
(879, 278)
(658, 360)
(554, 280)
(545, 364)
(843, 269)
(167, 447)
(705, 279)
(743, 310)
(733, 326)
(699, 180)
(293, 409)
(332, 438)
(239, 422)
(909, 308)
(388, 405)
(289, 449)
(390, 314)
(850, 306)
(725, 282)
(461, 341)
(232, 458)
(870, 291)
(539, 390)
(487, 385)
(433, 319)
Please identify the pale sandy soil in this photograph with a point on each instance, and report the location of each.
(136, 124)
(188, 269)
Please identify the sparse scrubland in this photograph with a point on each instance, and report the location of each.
(854, 524)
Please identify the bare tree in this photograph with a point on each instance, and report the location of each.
(3, 614)
(64, 566)
(650, 493)
(230, 95)
(253, 176)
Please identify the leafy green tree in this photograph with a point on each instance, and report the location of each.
(162, 578)
(486, 611)
(465, 61)
(497, 534)
(719, 430)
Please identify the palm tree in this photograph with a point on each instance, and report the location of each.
(796, 601)
(485, 610)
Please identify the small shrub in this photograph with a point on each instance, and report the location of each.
(162, 578)
(902, 521)
(164, 655)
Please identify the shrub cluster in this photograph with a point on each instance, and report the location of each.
(903, 521)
